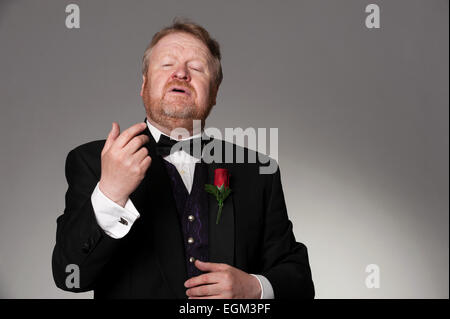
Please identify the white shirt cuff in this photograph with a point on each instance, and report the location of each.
(266, 287)
(115, 220)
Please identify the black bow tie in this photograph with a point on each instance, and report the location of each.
(193, 146)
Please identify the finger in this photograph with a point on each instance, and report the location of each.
(206, 266)
(140, 155)
(112, 136)
(136, 143)
(129, 133)
(205, 279)
(208, 297)
(205, 290)
(145, 164)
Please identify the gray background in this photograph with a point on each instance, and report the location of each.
(362, 117)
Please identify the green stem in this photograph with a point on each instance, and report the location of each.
(219, 212)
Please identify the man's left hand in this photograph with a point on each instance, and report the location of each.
(222, 282)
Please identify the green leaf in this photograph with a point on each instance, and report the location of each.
(211, 189)
(226, 193)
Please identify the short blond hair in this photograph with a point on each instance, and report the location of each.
(186, 26)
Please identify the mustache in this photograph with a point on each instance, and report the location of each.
(181, 84)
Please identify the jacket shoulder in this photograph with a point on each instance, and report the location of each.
(89, 149)
(87, 155)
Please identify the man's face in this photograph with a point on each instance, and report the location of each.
(178, 87)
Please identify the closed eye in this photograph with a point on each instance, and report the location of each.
(197, 69)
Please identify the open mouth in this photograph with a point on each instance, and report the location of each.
(179, 90)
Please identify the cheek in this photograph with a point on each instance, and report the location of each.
(156, 85)
(203, 91)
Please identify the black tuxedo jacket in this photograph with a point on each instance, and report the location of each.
(254, 233)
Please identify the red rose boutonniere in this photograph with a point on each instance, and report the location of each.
(221, 188)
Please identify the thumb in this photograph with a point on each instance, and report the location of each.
(207, 266)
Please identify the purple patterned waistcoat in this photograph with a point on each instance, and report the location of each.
(193, 214)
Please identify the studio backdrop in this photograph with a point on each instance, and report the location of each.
(358, 91)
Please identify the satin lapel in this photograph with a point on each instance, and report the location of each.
(154, 201)
(221, 236)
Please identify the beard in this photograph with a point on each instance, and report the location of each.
(173, 111)
(178, 107)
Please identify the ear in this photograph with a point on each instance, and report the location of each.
(144, 81)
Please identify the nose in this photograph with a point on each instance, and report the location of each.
(182, 73)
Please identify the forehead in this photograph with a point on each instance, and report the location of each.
(180, 43)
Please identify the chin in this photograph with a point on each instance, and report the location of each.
(159, 110)
(179, 111)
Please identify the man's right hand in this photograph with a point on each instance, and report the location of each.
(124, 162)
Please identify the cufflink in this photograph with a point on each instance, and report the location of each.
(123, 221)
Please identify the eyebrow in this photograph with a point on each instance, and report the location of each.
(202, 61)
(170, 54)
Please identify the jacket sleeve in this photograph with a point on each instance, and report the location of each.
(80, 241)
(285, 261)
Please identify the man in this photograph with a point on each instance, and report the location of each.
(138, 222)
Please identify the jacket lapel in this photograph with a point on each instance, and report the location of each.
(154, 200)
(221, 236)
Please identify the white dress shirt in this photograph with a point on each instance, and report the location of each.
(109, 214)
